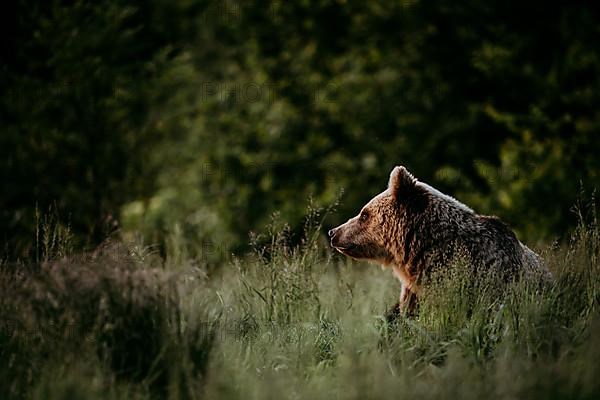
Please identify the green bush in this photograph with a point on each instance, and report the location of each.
(111, 314)
(201, 118)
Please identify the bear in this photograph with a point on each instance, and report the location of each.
(415, 229)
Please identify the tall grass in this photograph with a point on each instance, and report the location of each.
(294, 321)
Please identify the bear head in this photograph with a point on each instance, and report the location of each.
(374, 234)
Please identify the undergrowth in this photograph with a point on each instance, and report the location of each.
(291, 321)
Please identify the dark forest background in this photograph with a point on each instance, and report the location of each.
(200, 119)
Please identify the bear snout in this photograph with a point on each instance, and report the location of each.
(339, 240)
(334, 237)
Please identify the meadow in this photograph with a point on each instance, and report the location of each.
(290, 322)
(143, 143)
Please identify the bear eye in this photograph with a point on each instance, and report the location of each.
(364, 216)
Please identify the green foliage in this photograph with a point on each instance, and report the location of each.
(311, 98)
(74, 107)
(201, 118)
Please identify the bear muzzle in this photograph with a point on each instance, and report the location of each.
(334, 237)
(337, 244)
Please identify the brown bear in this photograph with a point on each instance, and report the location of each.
(413, 229)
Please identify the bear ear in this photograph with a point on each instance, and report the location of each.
(402, 183)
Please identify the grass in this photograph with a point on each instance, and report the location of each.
(291, 322)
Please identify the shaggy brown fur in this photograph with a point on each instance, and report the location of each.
(412, 228)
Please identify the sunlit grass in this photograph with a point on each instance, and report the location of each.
(293, 322)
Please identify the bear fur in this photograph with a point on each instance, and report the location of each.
(414, 229)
